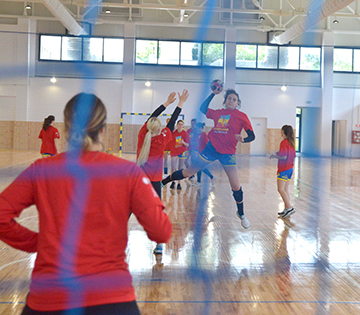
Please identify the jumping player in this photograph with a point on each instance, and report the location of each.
(285, 156)
(223, 138)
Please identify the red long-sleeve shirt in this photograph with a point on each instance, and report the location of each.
(48, 137)
(81, 253)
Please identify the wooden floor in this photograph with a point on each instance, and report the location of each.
(309, 264)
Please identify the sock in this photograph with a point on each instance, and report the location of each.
(238, 196)
(165, 170)
(207, 172)
(177, 175)
(199, 176)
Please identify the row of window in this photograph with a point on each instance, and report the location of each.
(162, 52)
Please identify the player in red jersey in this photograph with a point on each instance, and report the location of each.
(223, 138)
(285, 156)
(166, 154)
(152, 142)
(48, 134)
(179, 145)
(188, 151)
(84, 198)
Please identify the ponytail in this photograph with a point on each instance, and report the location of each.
(153, 125)
(48, 121)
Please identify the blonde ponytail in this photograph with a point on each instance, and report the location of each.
(153, 125)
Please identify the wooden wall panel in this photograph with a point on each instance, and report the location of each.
(22, 135)
(6, 134)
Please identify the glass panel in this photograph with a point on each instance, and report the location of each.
(113, 50)
(71, 48)
(342, 59)
(93, 49)
(356, 59)
(213, 54)
(267, 57)
(169, 53)
(146, 51)
(296, 144)
(190, 54)
(246, 56)
(50, 47)
(310, 58)
(298, 111)
(289, 58)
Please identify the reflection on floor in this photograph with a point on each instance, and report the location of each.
(307, 264)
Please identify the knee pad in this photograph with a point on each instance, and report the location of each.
(238, 195)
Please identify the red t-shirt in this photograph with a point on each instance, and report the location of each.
(286, 150)
(154, 165)
(48, 140)
(176, 147)
(99, 232)
(227, 123)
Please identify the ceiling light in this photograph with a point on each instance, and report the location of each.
(147, 83)
(283, 88)
(53, 80)
(186, 15)
(28, 7)
(335, 21)
(262, 18)
(107, 11)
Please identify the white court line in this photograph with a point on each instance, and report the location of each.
(13, 262)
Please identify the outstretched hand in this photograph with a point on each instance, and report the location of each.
(183, 97)
(171, 99)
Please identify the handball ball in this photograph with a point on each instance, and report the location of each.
(217, 84)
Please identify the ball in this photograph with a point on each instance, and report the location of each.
(217, 85)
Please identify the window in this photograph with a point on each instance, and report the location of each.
(169, 52)
(246, 56)
(310, 58)
(190, 54)
(71, 48)
(146, 51)
(267, 57)
(342, 59)
(356, 59)
(50, 47)
(213, 54)
(289, 58)
(93, 49)
(113, 50)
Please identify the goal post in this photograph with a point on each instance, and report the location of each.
(133, 138)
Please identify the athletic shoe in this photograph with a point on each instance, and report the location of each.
(213, 180)
(178, 187)
(244, 221)
(197, 184)
(172, 186)
(158, 249)
(281, 213)
(288, 212)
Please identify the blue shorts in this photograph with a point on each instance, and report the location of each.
(182, 155)
(285, 175)
(209, 154)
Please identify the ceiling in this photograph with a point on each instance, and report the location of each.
(265, 15)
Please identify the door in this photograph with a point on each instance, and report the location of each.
(258, 146)
(338, 137)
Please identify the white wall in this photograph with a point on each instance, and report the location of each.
(46, 98)
(346, 106)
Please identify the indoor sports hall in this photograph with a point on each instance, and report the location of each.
(291, 62)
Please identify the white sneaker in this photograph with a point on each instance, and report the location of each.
(197, 184)
(288, 212)
(244, 221)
